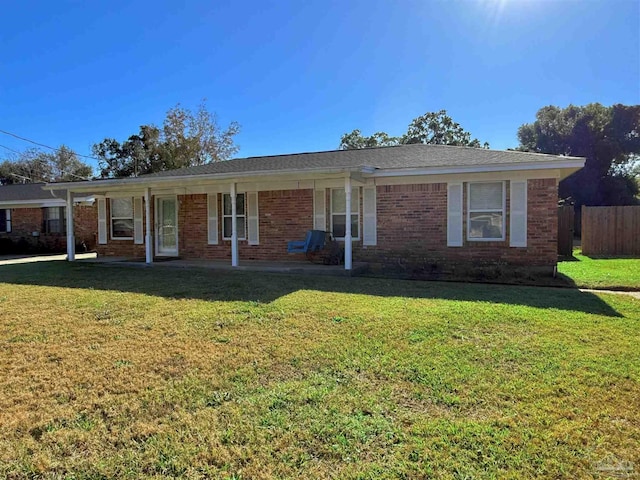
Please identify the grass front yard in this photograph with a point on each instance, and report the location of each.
(147, 373)
(603, 273)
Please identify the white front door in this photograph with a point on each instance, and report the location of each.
(166, 226)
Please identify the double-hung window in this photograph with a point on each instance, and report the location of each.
(486, 211)
(241, 216)
(122, 218)
(339, 213)
(53, 219)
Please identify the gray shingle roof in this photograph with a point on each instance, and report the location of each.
(27, 191)
(402, 156)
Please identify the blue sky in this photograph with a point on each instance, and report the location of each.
(297, 75)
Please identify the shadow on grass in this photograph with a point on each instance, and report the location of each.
(212, 285)
(567, 258)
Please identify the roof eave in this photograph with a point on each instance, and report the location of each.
(162, 180)
(573, 165)
(565, 165)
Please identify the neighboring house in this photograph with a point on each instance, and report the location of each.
(409, 203)
(33, 219)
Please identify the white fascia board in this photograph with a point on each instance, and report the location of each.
(142, 182)
(363, 174)
(561, 164)
(54, 202)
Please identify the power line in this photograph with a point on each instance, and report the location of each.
(42, 145)
(10, 149)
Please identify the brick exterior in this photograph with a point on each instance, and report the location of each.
(26, 221)
(85, 225)
(411, 225)
(284, 215)
(119, 248)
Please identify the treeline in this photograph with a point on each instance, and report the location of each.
(186, 138)
(608, 137)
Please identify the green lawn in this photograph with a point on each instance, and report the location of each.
(114, 372)
(602, 273)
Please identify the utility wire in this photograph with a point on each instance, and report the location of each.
(10, 149)
(42, 145)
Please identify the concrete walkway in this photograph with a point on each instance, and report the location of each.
(614, 292)
(17, 259)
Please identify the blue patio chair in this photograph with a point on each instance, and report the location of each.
(313, 242)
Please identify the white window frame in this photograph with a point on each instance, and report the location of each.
(62, 213)
(112, 218)
(241, 235)
(357, 213)
(493, 210)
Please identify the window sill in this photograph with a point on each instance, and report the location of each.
(486, 240)
(121, 238)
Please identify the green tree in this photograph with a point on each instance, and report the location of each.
(355, 139)
(609, 139)
(433, 128)
(34, 165)
(185, 139)
(65, 166)
(139, 154)
(438, 128)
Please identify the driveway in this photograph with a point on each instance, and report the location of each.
(16, 259)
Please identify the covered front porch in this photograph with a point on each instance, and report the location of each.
(226, 222)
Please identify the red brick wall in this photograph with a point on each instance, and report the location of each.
(85, 225)
(120, 248)
(412, 227)
(284, 215)
(25, 221)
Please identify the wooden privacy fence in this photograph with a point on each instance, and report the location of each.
(565, 230)
(611, 230)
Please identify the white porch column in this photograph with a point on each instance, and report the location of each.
(347, 229)
(234, 227)
(148, 237)
(71, 239)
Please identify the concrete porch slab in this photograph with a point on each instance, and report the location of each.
(306, 268)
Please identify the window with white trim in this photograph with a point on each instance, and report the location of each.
(339, 213)
(241, 216)
(486, 211)
(54, 219)
(121, 218)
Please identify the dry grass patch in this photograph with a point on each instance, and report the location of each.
(137, 373)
